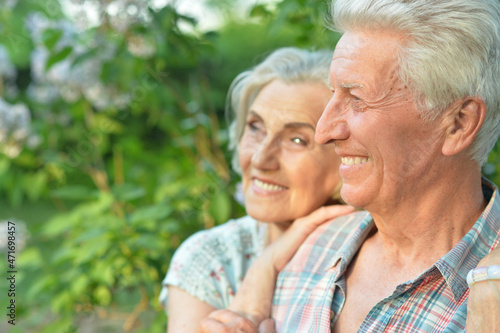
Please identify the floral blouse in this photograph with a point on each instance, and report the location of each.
(211, 264)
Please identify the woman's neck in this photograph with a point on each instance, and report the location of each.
(274, 230)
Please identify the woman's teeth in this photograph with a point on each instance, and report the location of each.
(354, 160)
(268, 187)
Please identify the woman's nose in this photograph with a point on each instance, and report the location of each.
(266, 155)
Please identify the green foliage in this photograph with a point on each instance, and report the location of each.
(130, 150)
(126, 155)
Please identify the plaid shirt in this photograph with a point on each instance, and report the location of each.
(310, 291)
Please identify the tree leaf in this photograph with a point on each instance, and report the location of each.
(57, 57)
(128, 192)
(75, 192)
(155, 212)
(50, 37)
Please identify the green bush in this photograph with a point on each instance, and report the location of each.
(120, 150)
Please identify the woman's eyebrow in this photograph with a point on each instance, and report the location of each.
(299, 125)
(254, 114)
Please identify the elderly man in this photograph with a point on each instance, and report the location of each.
(414, 112)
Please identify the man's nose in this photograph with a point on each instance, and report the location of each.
(332, 125)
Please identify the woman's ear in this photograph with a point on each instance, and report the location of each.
(466, 121)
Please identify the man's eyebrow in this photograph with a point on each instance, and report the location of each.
(347, 85)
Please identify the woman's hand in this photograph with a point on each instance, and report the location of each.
(254, 298)
(282, 250)
(226, 321)
(483, 305)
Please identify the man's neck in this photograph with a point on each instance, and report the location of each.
(426, 227)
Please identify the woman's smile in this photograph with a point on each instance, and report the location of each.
(266, 187)
(285, 173)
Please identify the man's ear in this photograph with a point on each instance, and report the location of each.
(467, 119)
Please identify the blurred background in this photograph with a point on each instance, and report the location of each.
(113, 144)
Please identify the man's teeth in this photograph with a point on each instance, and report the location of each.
(267, 186)
(354, 160)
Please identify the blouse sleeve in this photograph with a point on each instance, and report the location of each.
(211, 264)
(194, 269)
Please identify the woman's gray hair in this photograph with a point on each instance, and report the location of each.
(452, 52)
(290, 65)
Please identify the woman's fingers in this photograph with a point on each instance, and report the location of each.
(322, 215)
(492, 258)
(226, 321)
(483, 305)
(282, 250)
(267, 326)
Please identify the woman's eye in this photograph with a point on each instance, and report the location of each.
(253, 125)
(298, 141)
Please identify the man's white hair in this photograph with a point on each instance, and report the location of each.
(452, 52)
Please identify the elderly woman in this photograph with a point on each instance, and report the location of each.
(286, 175)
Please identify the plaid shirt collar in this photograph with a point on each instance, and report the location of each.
(477, 243)
(452, 266)
(341, 261)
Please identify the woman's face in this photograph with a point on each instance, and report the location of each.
(286, 174)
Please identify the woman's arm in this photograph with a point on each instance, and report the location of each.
(227, 321)
(483, 305)
(185, 311)
(254, 298)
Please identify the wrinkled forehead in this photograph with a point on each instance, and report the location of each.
(369, 54)
(288, 102)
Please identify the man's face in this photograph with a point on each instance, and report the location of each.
(388, 152)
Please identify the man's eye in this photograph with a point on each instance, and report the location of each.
(358, 104)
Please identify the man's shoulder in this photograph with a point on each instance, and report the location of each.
(330, 241)
(339, 229)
